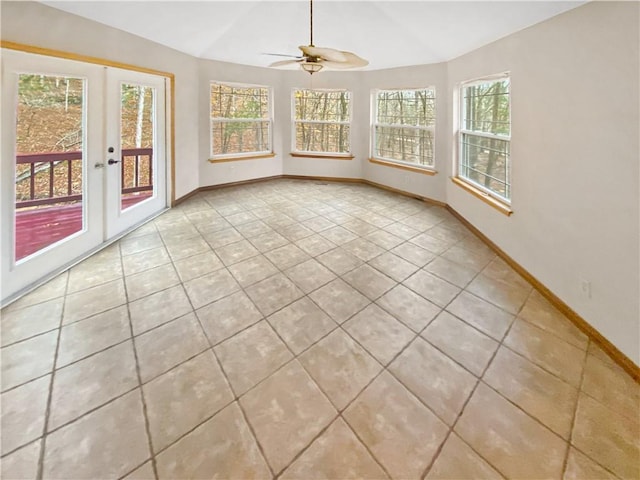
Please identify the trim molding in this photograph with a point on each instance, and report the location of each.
(49, 52)
(325, 156)
(241, 157)
(402, 166)
(610, 349)
(485, 197)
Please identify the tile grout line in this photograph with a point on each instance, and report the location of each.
(135, 353)
(45, 427)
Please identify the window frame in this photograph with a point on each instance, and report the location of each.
(268, 152)
(392, 162)
(479, 190)
(319, 154)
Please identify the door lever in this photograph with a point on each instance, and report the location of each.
(111, 161)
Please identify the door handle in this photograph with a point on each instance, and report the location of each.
(111, 161)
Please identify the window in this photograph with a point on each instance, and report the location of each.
(485, 136)
(404, 126)
(321, 121)
(240, 120)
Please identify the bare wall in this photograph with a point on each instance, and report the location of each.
(575, 155)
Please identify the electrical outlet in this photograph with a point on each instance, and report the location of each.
(585, 287)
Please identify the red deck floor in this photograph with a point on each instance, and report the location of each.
(38, 228)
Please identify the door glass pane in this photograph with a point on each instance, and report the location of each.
(136, 140)
(49, 161)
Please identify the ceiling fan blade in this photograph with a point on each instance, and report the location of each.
(325, 53)
(282, 55)
(354, 61)
(284, 63)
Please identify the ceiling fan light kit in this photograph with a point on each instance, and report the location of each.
(315, 58)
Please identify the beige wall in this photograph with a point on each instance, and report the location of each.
(575, 140)
(36, 24)
(575, 156)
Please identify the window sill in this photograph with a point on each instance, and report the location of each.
(328, 156)
(485, 197)
(402, 166)
(236, 158)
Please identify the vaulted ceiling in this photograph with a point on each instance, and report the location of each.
(387, 33)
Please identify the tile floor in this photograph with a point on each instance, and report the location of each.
(298, 329)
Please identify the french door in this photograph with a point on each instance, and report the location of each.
(83, 160)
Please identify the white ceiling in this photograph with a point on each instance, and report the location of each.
(387, 33)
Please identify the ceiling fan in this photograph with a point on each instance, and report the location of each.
(314, 59)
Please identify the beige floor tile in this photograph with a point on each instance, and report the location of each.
(94, 300)
(236, 252)
(449, 384)
(447, 233)
(251, 356)
(286, 256)
(144, 472)
(95, 270)
(235, 455)
(197, 266)
(401, 230)
(29, 321)
(113, 440)
(240, 218)
(168, 345)
(581, 467)
(158, 308)
(542, 395)
(92, 382)
(338, 235)
(22, 464)
(498, 269)
(219, 238)
(369, 281)
(463, 343)
(612, 386)
(278, 220)
(295, 232)
(450, 271)
(211, 287)
(508, 296)
(139, 262)
(140, 243)
(384, 239)
(54, 288)
(93, 334)
(179, 249)
(301, 324)
(309, 275)
(253, 229)
(339, 261)
(315, 244)
(151, 281)
(340, 366)
(599, 353)
(268, 241)
(318, 224)
(252, 270)
(359, 227)
(408, 307)
(547, 351)
(414, 254)
(393, 266)
(474, 257)
(607, 437)
(381, 334)
(273, 293)
(484, 316)
(433, 244)
(227, 316)
(458, 461)
(401, 433)
(180, 399)
(517, 445)
(339, 300)
(23, 413)
(540, 312)
(336, 454)
(286, 412)
(28, 359)
(363, 249)
(432, 288)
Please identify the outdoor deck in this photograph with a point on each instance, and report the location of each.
(38, 228)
